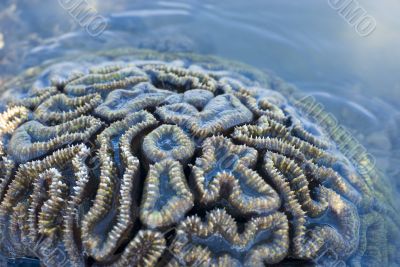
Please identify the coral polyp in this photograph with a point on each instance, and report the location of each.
(220, 114)
(145, 159)
(105, 80)
(168, 141)
(60, 108)
(166, 195)
(217, 241)
(33, 139)
(119, 103)
(225, 171)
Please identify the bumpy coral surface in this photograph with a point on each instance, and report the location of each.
(144, 159)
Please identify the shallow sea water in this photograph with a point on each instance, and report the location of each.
(307, 43)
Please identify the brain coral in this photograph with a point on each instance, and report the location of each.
(143, 159)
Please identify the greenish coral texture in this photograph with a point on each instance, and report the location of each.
(145, 159)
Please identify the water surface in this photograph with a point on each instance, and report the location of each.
(307, 43)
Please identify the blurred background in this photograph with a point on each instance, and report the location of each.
(308, 43)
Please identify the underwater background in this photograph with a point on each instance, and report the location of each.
(308, 43)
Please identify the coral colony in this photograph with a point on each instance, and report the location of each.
(147, 159)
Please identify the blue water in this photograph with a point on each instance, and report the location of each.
(307, 43)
